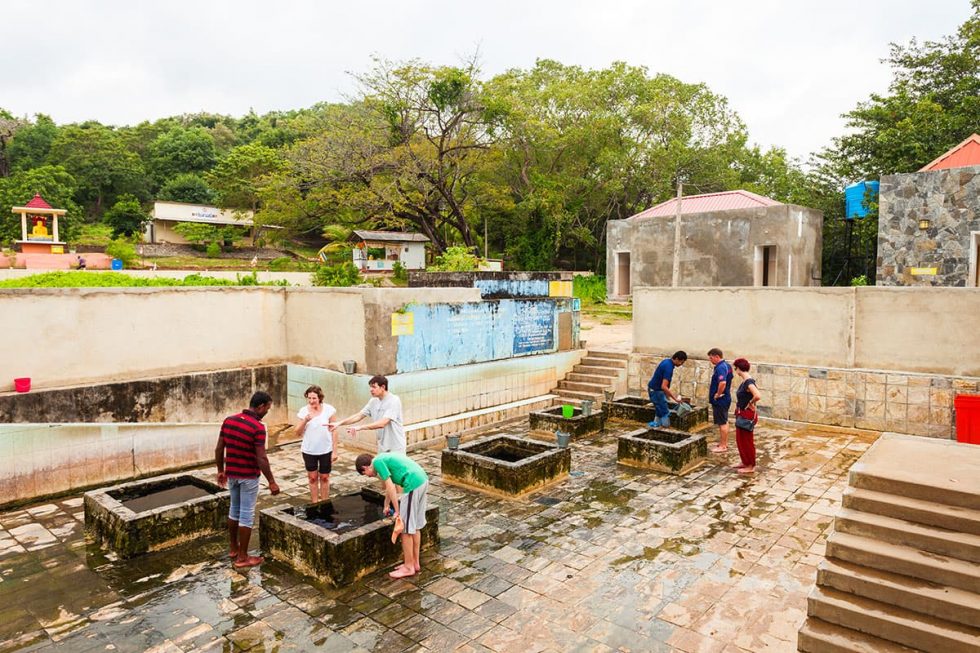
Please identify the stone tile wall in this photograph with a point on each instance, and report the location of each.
(880, 400)
(950, 200)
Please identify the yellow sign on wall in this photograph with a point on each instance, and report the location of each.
(402, 324)
(559, 288)
(919, 272)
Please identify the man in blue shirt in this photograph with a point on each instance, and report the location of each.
(659, 388)
(720, 396)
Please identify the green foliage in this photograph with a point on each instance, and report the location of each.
(213, 250)
(180, 151)
(399, 273)
(343, 274)
(126, 217)
(54, 184)
(97, 235)
(455, 259)
(236, 177)
(96, 279)
(202, 233)
(859, 281)
(591, 289)
(187, 187)
(31, 143)
(122, 250)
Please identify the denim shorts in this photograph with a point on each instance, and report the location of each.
(244, 492)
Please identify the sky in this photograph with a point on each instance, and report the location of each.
(789, 68)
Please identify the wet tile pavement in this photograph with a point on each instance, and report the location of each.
(611, 559)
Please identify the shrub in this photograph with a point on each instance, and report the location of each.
(213, 250)
(456, 259)
(281, 263)
(859, 281)
(344, 274)
(591, 290)
(400, 273)
(122, 250)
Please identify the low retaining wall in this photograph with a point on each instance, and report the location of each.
(879, 400)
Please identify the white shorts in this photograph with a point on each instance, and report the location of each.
(412, 508)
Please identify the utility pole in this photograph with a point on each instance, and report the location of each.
(675, 281)
(486, 246)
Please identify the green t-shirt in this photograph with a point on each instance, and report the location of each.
(401, 469)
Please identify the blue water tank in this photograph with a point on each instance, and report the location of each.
(857, 197)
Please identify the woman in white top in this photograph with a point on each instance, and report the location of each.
(319, 443)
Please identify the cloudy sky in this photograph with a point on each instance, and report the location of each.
(788, 67)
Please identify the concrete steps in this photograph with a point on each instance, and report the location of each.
(596, 372)
(903, 561)
(820, 636)
(904, 627)
(930, 513)
(935, 600)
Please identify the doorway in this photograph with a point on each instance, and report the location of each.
(623, 288)
(764, 269)
(974, 279)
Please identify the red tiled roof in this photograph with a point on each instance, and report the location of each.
(966, 153)
(724, 201)
(38, 203)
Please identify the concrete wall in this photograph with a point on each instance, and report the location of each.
(71, 336)
(900, 329)
(718, 248)
(950, 201)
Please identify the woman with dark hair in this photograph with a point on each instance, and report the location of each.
(746, 417)
(319, 446)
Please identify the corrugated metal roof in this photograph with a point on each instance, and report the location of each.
(965, 154)
(724, 201)
(391, 236)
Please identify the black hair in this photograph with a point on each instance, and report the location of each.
(680, 356)
(260, 398)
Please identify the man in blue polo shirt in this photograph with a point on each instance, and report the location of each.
(659, 388)
(720, 396)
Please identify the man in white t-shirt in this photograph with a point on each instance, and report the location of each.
(319, 446)
(385, 411)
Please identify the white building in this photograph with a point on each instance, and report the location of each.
(167, 215)
(376, 251)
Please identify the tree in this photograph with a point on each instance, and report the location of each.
(31, 144)
(187, 187)
(100, 164)
(126, 217)
(456, 259)
(9, 125)
(53, 183)
(181, 150)
(209, 234)
(236, 177)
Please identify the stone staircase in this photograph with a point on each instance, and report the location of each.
(902, 571)
(597, 371)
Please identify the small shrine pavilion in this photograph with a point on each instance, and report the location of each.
(43, 235)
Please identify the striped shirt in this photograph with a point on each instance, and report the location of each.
(242, 433)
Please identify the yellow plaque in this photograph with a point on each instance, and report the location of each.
(402, 324)
(57, 249)
(559, 288)
(918, 272)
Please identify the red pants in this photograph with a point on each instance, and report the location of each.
(746, 447)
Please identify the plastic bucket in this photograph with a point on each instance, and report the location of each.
(116, 264)
(967, 418)
(567, 411)
(22, 384)
(452, 441)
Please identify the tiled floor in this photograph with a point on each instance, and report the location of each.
(610, 559)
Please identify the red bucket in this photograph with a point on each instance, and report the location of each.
(22, 385)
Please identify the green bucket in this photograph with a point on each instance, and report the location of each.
(567, 411)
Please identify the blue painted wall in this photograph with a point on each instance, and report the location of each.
(496, 288)
(446, 335)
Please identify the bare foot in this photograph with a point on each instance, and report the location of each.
(747, 470)
(233, 554)
(718, 449)
(418, 568)
(738, 466)
(402, 572)
(250, 561)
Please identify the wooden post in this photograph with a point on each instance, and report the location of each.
(54, 226)
(23, 225)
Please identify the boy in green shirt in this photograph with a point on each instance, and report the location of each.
(398, 469)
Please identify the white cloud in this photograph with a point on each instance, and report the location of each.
(789, 68)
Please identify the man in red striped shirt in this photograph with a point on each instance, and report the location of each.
(240, 456)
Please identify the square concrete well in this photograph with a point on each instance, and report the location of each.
(664, 450)
(156, 513)
(639, 409)
(578, 425)
(338, 540)
(506, 465)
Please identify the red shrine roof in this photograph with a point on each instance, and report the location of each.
(724, 201)
(966, 153)
(38, 203)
